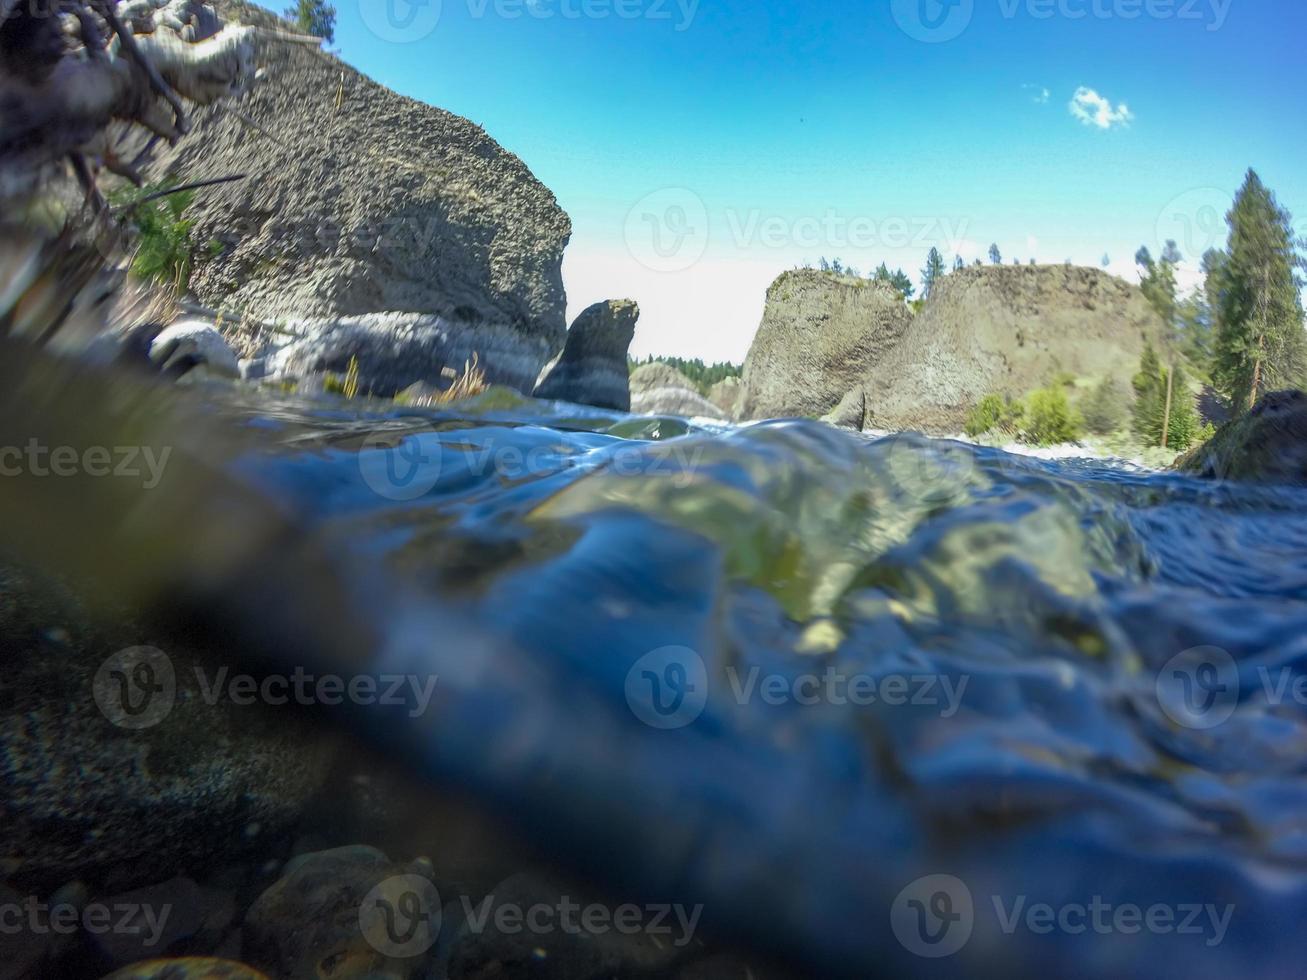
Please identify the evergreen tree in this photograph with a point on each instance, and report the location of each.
(1146, 420)
(1259, 342)
(958, 263)
(898, 279)
(933, 271)
(1106, 261)
(1183, 427)
(1151, 404)
(1157, 280)
(316, 17)
(995, 256)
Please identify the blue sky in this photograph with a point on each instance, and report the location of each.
(701, 147)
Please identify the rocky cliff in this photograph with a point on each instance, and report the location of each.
(819, 334)
(358, 200)
(1003, 329)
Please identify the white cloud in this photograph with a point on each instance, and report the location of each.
(1094, 110)
(1038, 94)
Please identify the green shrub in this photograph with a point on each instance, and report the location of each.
(995, 413)
(1104, 408)
(163, 246)
(1050, 419)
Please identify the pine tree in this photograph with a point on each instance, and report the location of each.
(1183, 424)
(958, 263)
(1146, 421)
(995, 256)
(1157, 281)
(933, 271)
(1259, 342)
(315, 17)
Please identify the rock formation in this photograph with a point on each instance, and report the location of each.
(993, 329)
(357, 200)
(592, 368)
(660, 389)
(1268, 444)
(820, 334)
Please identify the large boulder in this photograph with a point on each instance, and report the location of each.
(392, 351)
(1267, 444)
(358, 200)
(592, 368)
(1008, 330)
(820, 334)
(660, 389)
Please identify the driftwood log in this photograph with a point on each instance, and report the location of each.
(77, 77)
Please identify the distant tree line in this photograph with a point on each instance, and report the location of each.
(703, 375)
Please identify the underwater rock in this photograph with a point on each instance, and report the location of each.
(345, 912)
(188, 968)
(592, 368)
(88, 796)
(529, 926)
(1267, 444)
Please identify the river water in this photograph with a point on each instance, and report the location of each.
(883, 706)
(895, 704)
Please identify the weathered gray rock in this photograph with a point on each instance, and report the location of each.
(820, 334)
(851, 412)
(1267, 444)
(592, 368)
(1004, 330)
(725, 394)
(194, 341)
(660, 389)
(118, 806)
(396, 350)
(358, 200)
(1008, 330)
